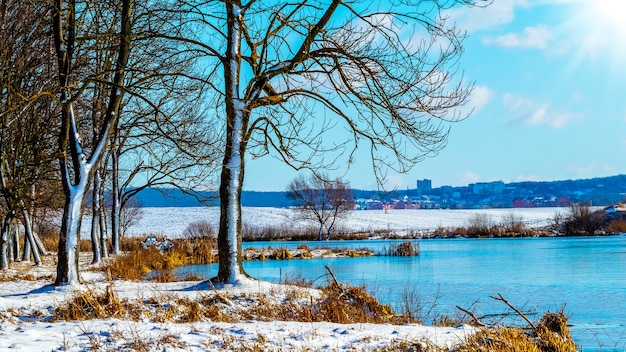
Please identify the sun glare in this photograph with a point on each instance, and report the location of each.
(601, 26)
(608, 15)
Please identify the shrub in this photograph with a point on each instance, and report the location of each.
(402, 249)
(417, 309)
(284, 232)
(199, 229)
(513, 224)
(583, 221)
(480, 225)
(617, 226)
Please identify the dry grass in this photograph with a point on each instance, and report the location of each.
(407, 248)
(92, 304)
(617, 226)
(137, 261)
(348, 304)
(335, 302)
(551, 334)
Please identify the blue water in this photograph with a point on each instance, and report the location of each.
(586, 274)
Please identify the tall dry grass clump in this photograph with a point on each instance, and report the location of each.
(406, 248)
(137, 261)
(348, 304)
(92, 304)
(551, 334)
(617, 226)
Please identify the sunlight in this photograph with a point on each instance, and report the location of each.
(608, 15)
(601, 28)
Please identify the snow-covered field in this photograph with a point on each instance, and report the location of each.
(171, 222)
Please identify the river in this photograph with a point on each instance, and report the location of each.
(585, 275)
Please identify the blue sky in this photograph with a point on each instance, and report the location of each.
(549, 100)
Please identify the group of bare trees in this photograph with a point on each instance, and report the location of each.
(26, 137)
(93, 100)
(150, 93)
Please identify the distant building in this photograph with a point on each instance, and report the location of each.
(424, 186)
(496, 187)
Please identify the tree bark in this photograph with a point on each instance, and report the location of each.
(68, 252)
(115, 199)
(103, 227)
(14, 240)
(4, 243)
(29, 236)
(96, 231)
(231, 182)
(27, 254)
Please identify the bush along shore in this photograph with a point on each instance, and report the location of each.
(580, 220)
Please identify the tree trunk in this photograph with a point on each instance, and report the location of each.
(31, 210)
(231, 183)
(4, 243)
(96, 231)
(115, 201)
(67, 263)
(103, 227)
(14, 239)
(29, 237)
(229, 237)
(26, 251)
(40, 247)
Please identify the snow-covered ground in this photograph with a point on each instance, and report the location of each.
(26, 308)
(171, 222)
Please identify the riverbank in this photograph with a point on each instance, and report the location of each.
(183, 316)
(105, 315)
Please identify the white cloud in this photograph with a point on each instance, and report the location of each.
(480, 97)
(525, 178)
(469, 177)
(520, 110)
(396, 182)
(533, 37)
(497, 13)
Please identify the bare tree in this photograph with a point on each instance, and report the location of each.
(176, 149)
(130, 214)
(287, 73)
(163, 138)
(322, 201)
(26, 148)
(110, 63)
(75, 42)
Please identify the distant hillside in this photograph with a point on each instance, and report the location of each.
(597, 191)
(170, 197)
